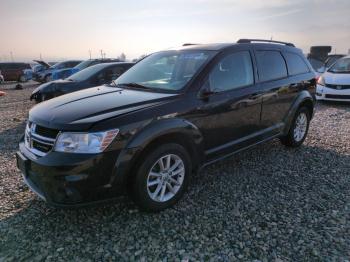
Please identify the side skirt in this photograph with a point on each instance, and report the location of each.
(238, 150)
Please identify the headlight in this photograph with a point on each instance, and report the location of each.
(86, 143)
(321, 81)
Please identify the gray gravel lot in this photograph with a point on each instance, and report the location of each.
(265, 204)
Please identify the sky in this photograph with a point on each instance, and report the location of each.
(68, 29)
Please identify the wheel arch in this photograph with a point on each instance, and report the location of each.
(179, 131)
(304, 99)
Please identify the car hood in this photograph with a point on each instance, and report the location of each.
(78, 111)
(43, 63)
(337, 79)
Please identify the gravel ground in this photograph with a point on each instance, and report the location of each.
(265, 204)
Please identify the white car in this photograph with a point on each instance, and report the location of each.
(334, 84)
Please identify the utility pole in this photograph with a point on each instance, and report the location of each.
(40, 57)
(11, 56)
(90, 54)
(101, 51)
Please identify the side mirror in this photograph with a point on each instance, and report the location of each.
(206, 91)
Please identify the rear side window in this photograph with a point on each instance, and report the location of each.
(271, 65)
(296, 65)
(233, 71)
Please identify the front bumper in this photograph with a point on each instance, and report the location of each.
(330, 94)
(63, 179)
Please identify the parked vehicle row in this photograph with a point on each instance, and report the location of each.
(66, 72)
(15, 71)
(99, 74)
(170, 114)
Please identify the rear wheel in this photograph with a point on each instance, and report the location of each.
(299, 128)
(162, 177)
(22, 79)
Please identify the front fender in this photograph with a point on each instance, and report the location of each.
(154, 130)
(304, 96)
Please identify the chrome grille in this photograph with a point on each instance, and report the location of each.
(339, 87)
(35, 141)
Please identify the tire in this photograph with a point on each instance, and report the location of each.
(152, 192)
(299, 129)
(22, 79)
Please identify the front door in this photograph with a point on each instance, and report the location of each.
(230, 115)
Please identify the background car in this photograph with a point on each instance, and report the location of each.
(45, 75)
(89, 77)
(66, 72)
(320, 59)
(1, 78)
(14, 71)
(334, 84)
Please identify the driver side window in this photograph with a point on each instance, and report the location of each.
(233, 71)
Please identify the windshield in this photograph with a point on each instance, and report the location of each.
(341, 66)
(168, 70)
(83, 64)
(59, 65)
(86, 73)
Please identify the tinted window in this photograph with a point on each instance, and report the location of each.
(271, 65)
(234, 70)
(295, 64)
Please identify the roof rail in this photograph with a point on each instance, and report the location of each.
(241, 41)
(187, 44)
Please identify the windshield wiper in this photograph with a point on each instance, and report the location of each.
(135, 85)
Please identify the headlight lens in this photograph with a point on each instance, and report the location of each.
(321, 81)
(86, 143)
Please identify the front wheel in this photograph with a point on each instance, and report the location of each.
(162, 177)
(299, 128)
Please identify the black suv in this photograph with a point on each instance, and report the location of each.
(170, 114)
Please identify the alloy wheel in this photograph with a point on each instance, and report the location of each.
(165, 178)
(300, 127)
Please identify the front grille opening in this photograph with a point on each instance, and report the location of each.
(41, 147)
(340, 87)
(39, 140)
(46, 132)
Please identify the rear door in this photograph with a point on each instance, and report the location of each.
(277, 95)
